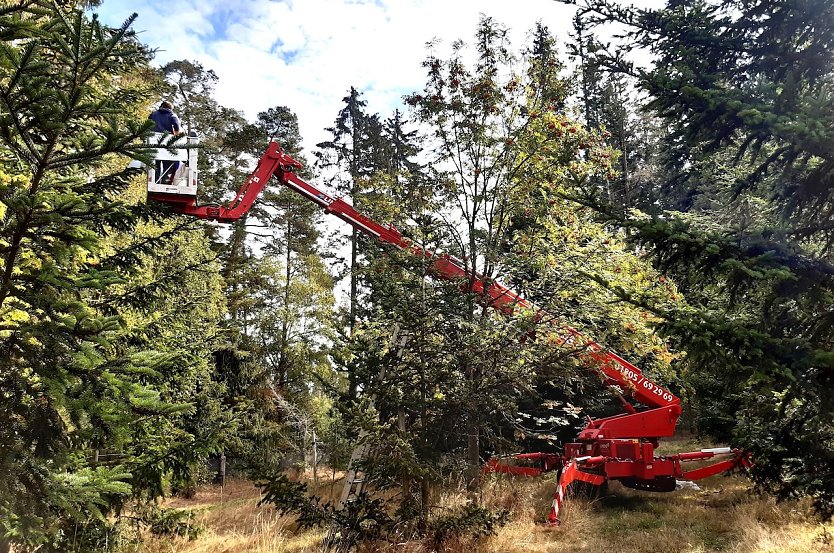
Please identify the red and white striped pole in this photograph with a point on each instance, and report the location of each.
(570, 473)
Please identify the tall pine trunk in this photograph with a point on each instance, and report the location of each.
(352, 384)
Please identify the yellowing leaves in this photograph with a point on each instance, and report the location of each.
(7, 181)
(15, 316)
(12, 318)
(586, 267)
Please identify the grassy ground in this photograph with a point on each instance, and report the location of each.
(722, 516)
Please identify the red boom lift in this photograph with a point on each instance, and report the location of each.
(621, 447)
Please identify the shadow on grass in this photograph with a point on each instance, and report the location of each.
(617, 502)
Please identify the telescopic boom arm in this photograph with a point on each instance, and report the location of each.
(274, 162)
(619, 447)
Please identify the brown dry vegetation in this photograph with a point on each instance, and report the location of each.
(723, 516)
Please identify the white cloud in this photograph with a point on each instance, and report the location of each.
(305, 54)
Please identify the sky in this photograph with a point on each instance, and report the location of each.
(306, 54)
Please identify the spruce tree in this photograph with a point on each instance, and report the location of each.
(72, 382)
(744, 87)
(117, 370)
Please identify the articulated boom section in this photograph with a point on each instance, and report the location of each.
(619, 447)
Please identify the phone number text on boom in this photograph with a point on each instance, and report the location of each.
(641, 381)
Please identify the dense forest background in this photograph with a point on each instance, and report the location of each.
(680, 213)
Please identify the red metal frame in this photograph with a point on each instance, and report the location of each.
(546, 462)
(619, 447)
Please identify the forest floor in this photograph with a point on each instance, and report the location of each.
(724, 515)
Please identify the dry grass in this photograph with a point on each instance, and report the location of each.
(233, 523)
(722, 516)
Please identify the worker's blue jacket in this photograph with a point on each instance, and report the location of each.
(165, 120)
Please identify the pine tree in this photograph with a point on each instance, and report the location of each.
(354, 154)
(191, 86)
(293, 329)
(280, 297)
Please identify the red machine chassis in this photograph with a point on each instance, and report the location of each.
(620, 447)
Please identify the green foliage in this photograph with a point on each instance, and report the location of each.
(98, 357)
(470, 520)
(752, 256)
(761, 371)
(361, 520)
(366, 520)
(288, 497)
(172, 522)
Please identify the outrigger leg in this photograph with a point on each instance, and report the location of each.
(570, 473)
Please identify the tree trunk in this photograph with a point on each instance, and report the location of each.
(473, 450)
(353, 279)
(23, 226)
(220, 477)
(425, 497)
(473, 455)
(405, 483)
(352, 384)
(283, 363)
(624, 156)
(315, 457)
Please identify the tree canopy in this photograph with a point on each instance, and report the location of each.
(678, 212)
(742, 88)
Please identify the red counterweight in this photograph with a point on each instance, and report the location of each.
(620, 447)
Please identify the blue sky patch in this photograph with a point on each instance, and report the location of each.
(221, 20)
